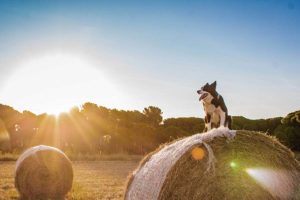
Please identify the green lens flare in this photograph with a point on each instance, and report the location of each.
(233, 164)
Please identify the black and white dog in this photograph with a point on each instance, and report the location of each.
(216, 113)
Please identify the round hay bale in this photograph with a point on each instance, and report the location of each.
(219, 164)
(43, 172)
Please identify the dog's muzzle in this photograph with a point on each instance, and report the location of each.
(203, 96)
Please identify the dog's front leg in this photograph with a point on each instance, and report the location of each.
(208, 126)
(222, 119)
(207, 122)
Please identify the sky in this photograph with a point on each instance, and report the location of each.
(132, 54)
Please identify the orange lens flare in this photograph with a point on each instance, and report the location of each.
(198, 153)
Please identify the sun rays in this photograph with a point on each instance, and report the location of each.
(67, 130)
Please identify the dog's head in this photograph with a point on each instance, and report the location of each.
(207, 92)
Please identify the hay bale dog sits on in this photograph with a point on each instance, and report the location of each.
(233, 165)
(216, 113)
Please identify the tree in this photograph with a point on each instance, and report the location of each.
(153, 115)
(192, 125)
(289, 135)
(170, 133)
(292, 119)
(289, 131)
(4, 137)
(11, 119)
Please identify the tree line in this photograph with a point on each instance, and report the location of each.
(92, 129)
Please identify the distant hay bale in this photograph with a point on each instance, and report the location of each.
(43, 172)
(219, 164)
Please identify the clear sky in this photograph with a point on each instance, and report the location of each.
(132, 54)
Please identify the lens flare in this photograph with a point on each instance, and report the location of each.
(198, 153)
(233, 164)
(279, 183)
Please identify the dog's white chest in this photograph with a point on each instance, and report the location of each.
(209, 108)
(215, 118)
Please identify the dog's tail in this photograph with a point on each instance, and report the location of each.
(229, 121)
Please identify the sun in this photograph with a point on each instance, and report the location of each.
(55, 83)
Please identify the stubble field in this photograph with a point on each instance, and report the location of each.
(92, 180)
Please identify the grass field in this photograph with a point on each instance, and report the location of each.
(92, 180)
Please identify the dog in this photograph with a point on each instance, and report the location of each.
(216, 113)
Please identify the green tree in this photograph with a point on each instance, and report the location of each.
(167, 134)
(289, 131)
(292, 119)
(192, 125)
(153, 115)
(289, 135)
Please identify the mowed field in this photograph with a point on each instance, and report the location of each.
(92, 180)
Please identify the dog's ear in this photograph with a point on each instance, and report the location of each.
(214, 84)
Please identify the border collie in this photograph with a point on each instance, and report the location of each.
(216, 113)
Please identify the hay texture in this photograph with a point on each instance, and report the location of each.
(219, 164)
(43, 172)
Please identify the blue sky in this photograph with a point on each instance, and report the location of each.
(160, 52)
